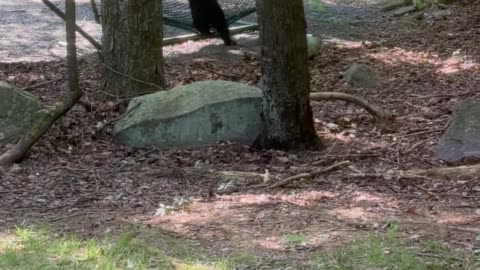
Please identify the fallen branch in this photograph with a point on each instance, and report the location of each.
(309, 175)
(457, 172)
(62, 15)
(378, 113)
(50, 116)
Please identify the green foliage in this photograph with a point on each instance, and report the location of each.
(317, 5)
(388, 252)
(294, 240)
(34, 249)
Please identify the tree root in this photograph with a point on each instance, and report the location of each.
(381, 116)
(309, 175)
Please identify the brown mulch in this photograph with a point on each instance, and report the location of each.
(77, 179)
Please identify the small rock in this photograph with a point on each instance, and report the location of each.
(441, 14)
(403, 11)
(350, 132)
(313, 44)
(279, 169)
(461, 142)
(343, 121)
(293, 157)
(198, 164)
(18, 110)
(361, 75)
(283, 159)
(333, 127)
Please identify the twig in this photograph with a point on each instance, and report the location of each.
(392, 174)
(119, 117)
(309, 175)
(444, 95)
(40, 84)
(232, 76)
(422, 132)
(132, 78)
(464, 229)
(425, 190)
(327, 158)
(460, 185)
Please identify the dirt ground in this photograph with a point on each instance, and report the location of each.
(78, 180)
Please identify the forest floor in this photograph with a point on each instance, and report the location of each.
(76, 180)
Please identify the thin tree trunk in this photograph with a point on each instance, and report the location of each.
(84, 34)
(285, 76)
(96, 14)
(50, 116)
(132, 47)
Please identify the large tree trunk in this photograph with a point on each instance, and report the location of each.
(132, 47)
(285, 76)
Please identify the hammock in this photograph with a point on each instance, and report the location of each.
(177, 13)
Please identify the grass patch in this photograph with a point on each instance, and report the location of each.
(389, 252)
(294, 240)
(318, 5)
(33, 249)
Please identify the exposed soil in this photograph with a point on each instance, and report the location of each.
(77, 179)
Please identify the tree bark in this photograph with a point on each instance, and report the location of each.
(132, 47)
(53, 114)
(285, 76)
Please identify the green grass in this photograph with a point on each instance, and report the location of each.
(317, 5)
(294, 240)
(389, 252)
(34, 249)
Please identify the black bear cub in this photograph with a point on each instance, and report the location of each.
(208, 13)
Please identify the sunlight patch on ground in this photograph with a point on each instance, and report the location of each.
(455, 218)
(347, 44)
(396, 56)
(270, 243)
(354, 213)
(368, 199)
(246, 219)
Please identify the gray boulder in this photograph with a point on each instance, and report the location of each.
(18, 109)
(313, 45)
(196, 114)
(361, 75)
(461, 141)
